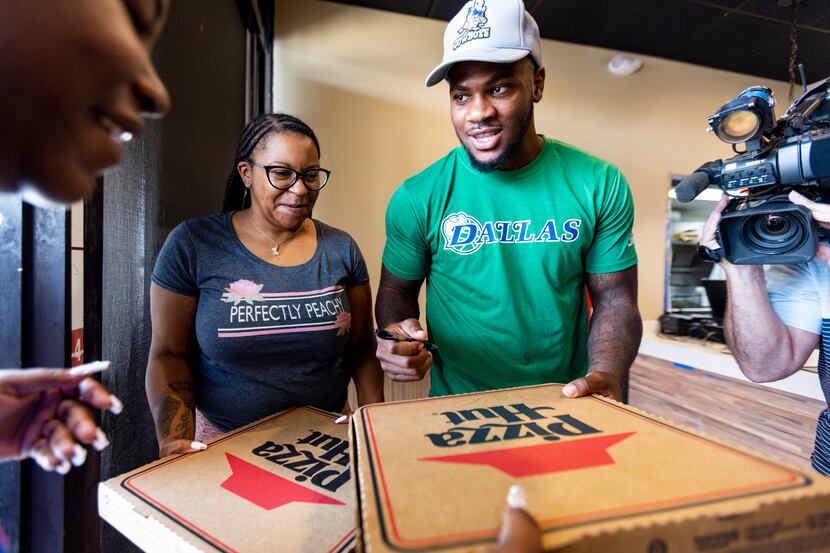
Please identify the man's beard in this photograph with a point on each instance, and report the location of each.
(498, 163)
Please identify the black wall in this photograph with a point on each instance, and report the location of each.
(11, 261)
(175, 172)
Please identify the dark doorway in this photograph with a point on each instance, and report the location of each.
(215, 59)
(176, 172)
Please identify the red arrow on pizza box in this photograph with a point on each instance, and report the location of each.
(266, 489)
(543, 458)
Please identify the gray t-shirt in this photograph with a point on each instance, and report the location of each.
(269, 337)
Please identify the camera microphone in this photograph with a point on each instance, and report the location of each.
(691, 187)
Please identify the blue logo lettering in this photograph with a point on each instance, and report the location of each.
(570, 230)
(469, 236)
(464, 234)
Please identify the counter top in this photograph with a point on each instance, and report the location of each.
(715, 358)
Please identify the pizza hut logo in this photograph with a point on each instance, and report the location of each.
(581, 449)
(319, 459)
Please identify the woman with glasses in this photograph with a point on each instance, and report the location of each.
(261, 307)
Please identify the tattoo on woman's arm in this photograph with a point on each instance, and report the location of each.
(166, 411)
(169, 406)
(181, 385)
(182, 430)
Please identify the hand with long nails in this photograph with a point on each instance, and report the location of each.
(175, 447)
(46, 414)
(519, 532)
(345, 416)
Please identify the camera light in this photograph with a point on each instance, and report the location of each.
(745, 118)
(738, 126)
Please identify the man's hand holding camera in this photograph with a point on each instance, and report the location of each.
(821, 215)
(708, 237)
(764, 347)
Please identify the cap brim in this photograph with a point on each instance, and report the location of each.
(493, 55)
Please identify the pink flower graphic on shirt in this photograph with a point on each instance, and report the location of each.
(343, 322)
(243, 290)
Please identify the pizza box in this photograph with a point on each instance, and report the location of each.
(433, 474)
(278, 484)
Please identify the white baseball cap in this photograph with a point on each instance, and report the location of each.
(498, 31)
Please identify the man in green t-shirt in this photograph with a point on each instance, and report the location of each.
(508, 230)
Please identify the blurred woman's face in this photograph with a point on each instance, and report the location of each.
(284, 209)
(77, 75)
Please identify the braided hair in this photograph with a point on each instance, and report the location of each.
(252, 136)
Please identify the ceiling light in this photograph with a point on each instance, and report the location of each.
(624, 65)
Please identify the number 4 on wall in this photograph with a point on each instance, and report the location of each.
(77, 355)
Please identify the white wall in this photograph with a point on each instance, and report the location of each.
(356, 76)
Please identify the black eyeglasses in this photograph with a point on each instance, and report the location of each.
(283, 178)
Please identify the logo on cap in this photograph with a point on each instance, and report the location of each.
(473, 27)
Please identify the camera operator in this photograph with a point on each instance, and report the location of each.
(774, 324)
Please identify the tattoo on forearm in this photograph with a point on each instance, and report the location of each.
(166, 412)
(393, 308)
(613, 340)
(174, 414)
(397, 299)
(616, 326)
(182, 429)
(180, 385)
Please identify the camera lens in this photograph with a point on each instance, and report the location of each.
(775, 224)
(774, 233)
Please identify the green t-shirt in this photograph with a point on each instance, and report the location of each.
(504, 255)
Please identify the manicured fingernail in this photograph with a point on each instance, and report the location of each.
(341, 419)
(58, 453)
(101, 441)
(78, 455)
(116, 406)
(517, 497)
(198, 446)
(569, 390)
(63, 467)
(89, 368)
(41, 460)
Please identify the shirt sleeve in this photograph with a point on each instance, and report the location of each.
(175, 268)
(406, 254)
(794, 295)
(613, 246)
(358, 272)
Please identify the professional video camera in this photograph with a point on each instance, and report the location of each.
(760, 225)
